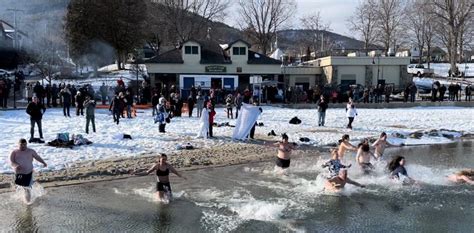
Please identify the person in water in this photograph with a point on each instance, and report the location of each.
(22, 163)
(463, 176)
(284, 152)
(344, 145)
(381, 144)
(163, 170)
(334, 164)
(363, 158)
(398, 171)
(337, 183)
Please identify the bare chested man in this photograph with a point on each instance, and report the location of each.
(381, 144)
(22, 162)
(363, 158)
(284, 152)
(344, 145)
(337, 183)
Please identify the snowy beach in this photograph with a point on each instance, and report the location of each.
(109, 145)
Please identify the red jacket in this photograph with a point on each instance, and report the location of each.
(212, 113)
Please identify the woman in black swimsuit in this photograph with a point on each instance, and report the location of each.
(163, 169)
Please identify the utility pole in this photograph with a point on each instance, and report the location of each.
(16, 47)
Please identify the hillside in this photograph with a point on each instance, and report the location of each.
(46, 16)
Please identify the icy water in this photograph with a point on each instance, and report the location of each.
(252, 198)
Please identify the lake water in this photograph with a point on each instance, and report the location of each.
(251, 198)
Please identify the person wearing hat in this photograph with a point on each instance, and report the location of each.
(162, 114)
(79, 103)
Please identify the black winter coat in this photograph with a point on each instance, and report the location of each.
(34, 110)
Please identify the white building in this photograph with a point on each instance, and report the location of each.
(208, 65)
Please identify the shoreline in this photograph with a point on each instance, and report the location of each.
(184, 160)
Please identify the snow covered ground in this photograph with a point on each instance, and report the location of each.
(441, 69)
(108, 142)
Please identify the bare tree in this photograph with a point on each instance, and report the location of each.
(419, 24)
(429, 34)
(390, 14)
(262, 18)
(466, 33)
(364, 22)
(452, 17)
(180, 20)
(315, 28)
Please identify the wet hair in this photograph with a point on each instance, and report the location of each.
(467, 172)
(363, 142)
(383, 134)
(344, 137)
(22, 141)
(395, 163)
(284, 136)
(365, 147)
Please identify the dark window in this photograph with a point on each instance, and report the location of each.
(191, 50)
(187, 49)
(195, 50)
(242, 50)
(238, 50)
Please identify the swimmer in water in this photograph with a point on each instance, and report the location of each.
(284, 152)
(463, 176)
(381, 144)
(363, 158)
(163, 170)
(344, 145)
(335, 164)
(337, 183)
(398, 171)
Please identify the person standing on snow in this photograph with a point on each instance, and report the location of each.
(36, 110)
(351, 114)
(203, 123)
(322, 106)
(89, 104)
(212, 114)
(199, 103)
(162, 114)
(79, 104)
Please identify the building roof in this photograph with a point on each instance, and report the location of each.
(238, 40)
(172, 56)
(211, 53)
(258, 58)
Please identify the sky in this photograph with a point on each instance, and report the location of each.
(335, 12)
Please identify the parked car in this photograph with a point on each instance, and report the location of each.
(5, 73)
(419, 70)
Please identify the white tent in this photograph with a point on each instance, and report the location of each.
(277, 54)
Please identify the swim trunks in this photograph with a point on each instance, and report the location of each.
(24, 179)
(283, 163)
(163, 187)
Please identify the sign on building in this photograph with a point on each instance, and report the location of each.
(216, 69)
